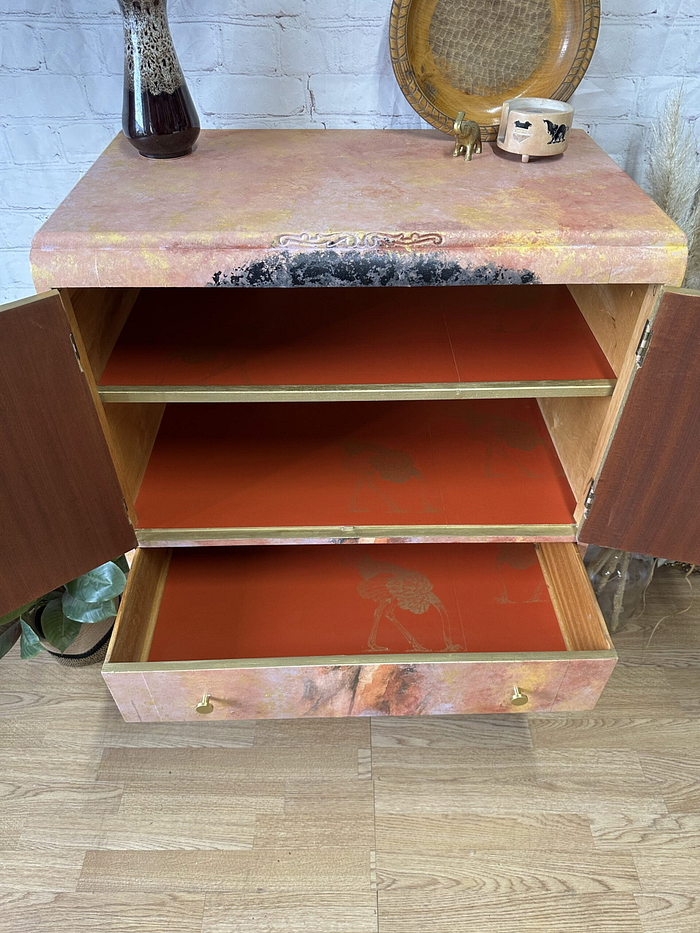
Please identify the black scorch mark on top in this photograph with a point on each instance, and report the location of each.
(326, 268)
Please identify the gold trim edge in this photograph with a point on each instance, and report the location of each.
(338, 534)
(578, 388)
(362, 660)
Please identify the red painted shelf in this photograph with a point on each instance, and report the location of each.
(344, 337)
(351, 464)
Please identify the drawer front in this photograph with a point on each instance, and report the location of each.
(529, 615)
(482, 684)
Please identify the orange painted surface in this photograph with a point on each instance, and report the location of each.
(271, 197)
(276, 602)
(278, 465)
(343, 336)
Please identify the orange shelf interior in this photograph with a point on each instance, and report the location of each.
(306, 601)
(283, 465)
(354, 336)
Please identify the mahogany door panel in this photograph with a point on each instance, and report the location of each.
(647, 496)
(61, 506)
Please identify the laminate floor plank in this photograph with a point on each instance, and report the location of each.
(676, 777)
(290, 913)
(290, 733)
(43, 799)
(234, 833)
(50, 871)
(411, 763)
(641, 733)
(42, 704)
(50, 765)
(43, 676)
(538, 796)
(173, 798)
(319, 814)
(213, 765)
(669, 913)
(629, 682)
(684, 684)
(230, 830)
(62, 830)
(22, 734)
(446, 912)
(668, 593)
(99, 913)
(340, 869)
(637, 831)
(468, 830)
(10, 833)
(511, 731)
(503, 873)
(669, 873)
(235, 734)
(667, 659)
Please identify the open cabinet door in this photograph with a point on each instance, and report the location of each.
(61, 506)
(646, 497)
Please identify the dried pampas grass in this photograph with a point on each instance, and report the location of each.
(674, 177)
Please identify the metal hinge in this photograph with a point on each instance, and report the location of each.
(588, 502)
(643, 344)
(75, 350)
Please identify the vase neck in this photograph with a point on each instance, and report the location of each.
(150, 62)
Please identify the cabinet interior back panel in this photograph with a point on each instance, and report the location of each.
(288, 465)
(342, 336)
(276, 602)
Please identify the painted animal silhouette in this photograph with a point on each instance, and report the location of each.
(523, 125)
(509, 442)
(557, 131)
(377, 466)
(467, 137)
(393, 588)
(514, 556)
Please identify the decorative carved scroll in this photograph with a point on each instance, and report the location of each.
(356, 240)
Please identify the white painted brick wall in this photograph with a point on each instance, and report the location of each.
(274, 63)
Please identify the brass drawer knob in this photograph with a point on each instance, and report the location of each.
(205, 705)
(519, 698)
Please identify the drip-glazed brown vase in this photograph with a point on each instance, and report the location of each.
(159, 117)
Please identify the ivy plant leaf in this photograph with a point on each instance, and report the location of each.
(81, 611)
(9, 633)
(59, 630)
(30, 645)
(96, 586)
(15, 614)
(122, 563)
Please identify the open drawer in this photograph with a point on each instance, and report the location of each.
(278, 632)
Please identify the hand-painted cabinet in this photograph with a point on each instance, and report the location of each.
(291, 341)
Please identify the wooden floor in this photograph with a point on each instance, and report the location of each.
(542, 824)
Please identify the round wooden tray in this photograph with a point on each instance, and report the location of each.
(471, 55)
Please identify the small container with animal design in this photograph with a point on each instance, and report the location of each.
(535, 126)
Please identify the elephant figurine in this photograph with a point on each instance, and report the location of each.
(467, 137)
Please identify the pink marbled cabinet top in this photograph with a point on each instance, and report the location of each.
(271, 206)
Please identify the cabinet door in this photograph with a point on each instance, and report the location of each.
(646, 497)
(61, 506)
